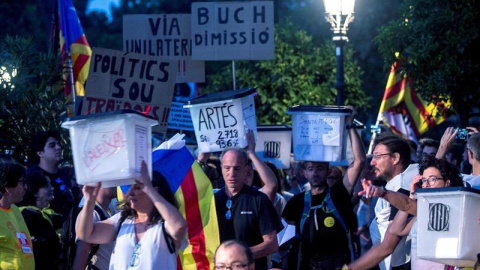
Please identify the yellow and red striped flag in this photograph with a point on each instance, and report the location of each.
(404, 111)
(74, 47)
(194, 193)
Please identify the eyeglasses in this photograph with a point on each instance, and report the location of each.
(135, 259)
(228, 214)
(431, 180)
(233, 266)
(378, 156)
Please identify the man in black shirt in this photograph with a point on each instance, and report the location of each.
(323, 218)
(244, 213)
(46, 154)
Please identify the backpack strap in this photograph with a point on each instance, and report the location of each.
(327, 202)
(168, 239)
(307, 202)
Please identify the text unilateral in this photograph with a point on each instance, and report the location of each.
(167, 36)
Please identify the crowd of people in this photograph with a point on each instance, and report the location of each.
(363, 216)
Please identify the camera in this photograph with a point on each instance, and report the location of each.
(462, 134)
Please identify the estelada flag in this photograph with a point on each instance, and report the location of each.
(404, 111)
(73, 42)
(194, 193)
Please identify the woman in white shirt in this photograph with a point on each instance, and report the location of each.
(148, 231)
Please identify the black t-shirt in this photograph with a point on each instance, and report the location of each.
(325, 237)
(253, 216)
(63, 199)
(46, 244)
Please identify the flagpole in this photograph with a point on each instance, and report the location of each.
(374, 136)
(233, 74)
(72, 85)
(61, 7)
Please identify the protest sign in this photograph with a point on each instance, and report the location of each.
(232, 30)
(179, 117)
(221, 120)
(167, 36)
(119, 80)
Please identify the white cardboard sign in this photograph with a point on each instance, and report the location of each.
(233, 30)
(223, 124)
(167, 36)
(119, 80)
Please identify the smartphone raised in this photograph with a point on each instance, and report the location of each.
(462, 134)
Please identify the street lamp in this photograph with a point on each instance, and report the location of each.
(339, 13)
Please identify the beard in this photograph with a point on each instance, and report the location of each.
(318, 182)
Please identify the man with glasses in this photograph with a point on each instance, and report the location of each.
(434, 173)
(233, 255)
(391, 163)
(243, 212)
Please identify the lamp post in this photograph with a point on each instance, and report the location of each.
(339, 13)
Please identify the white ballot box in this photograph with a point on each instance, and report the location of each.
(448, 225)
(109, 147)
(274, 144)
(319, 133)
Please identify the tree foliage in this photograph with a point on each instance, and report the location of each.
(441, 40)
(302, 73)
(32, 100)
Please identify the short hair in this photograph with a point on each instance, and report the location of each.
(446, 169)
(10, 173)
(429, 142)
(395, 144)
(246, 249)
(239, 150)
(37, 144)
(473, 144)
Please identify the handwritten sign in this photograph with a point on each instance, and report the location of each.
(119, 80)
(220, 125)
(318, 130)
(167, 36)
(110, 148)
(232, 30)
(103, 145)
(179, 117)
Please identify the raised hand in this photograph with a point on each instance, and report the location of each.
(371, 190)
(414, 185)
(91, 193)
(349, 118)
(472, 130)
(251, 142)
(144, 180)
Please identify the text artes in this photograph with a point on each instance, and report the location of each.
(217, 117)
